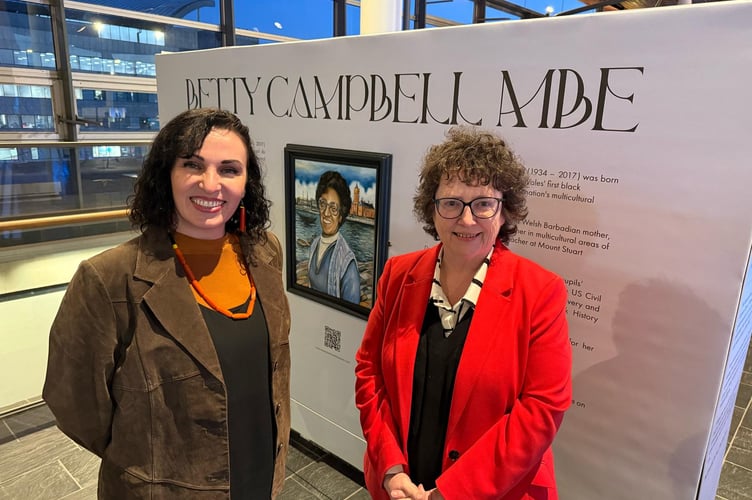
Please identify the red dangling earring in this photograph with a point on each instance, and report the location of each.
(242, 217)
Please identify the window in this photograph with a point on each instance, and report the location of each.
(287, 18)
(45, 168)
(114, 45)
(352, 20)
(460, 12)
(28, 39)
(24, 107)
(205, 12)
(115, 111)
(44, 180)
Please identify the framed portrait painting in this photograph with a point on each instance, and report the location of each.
(337, 219)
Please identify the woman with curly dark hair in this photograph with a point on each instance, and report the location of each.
(463, 373)
(169, 357)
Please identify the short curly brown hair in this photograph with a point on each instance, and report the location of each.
(477, 158)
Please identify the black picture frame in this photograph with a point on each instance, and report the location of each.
(363, 230)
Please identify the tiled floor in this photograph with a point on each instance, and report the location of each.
(736, 476)
(38, 462)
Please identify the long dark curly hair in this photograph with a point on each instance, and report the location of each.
(152, 205)
(475, 157)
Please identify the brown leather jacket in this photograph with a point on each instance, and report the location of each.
(133, 375)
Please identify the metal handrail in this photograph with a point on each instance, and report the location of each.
(62, 220)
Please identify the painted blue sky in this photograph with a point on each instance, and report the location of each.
(307, 175)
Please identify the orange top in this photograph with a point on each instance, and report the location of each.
(217, 267)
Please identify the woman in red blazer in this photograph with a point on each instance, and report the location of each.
(464, 371)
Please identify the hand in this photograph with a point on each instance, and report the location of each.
(434, 494)
(399, 486)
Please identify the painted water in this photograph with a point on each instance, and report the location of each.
(361, 236)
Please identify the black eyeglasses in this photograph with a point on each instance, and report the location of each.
(333, 207)
(482, 208)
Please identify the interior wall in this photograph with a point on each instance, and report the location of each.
(28, 312)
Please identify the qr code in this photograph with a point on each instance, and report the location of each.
(332, 339)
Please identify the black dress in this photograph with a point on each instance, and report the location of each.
(243, 351)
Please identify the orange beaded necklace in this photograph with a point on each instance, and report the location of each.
(196, 286)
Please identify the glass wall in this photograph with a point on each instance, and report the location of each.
(205, 11)
(108, 173)
(26, 107)
(457, 11)
(26, 36)
(47, 179)
(289, 18)
(111, 63)
(53, 180)
(113, 111)
(115, 45)
(352, 19)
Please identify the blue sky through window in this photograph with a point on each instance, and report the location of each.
(313, 18)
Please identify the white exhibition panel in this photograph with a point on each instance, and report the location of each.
(634, 126)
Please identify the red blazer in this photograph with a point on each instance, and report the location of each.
(512, 387)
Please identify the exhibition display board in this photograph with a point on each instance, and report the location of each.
(634, 128)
